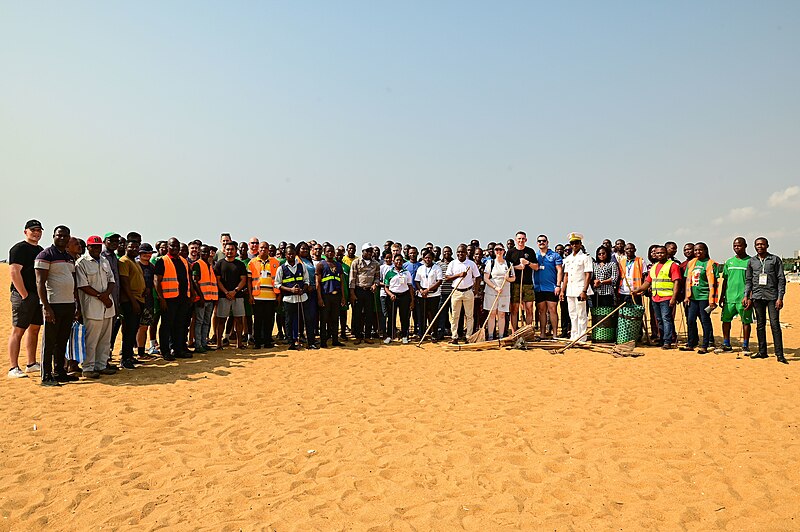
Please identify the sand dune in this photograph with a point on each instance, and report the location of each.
(400, 438)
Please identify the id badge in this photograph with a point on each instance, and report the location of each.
(762, 279)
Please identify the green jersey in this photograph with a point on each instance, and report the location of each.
(734, 272)
(698, 280)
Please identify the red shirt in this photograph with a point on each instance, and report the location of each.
(674, 275)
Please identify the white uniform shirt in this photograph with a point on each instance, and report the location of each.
(575, 266)
(427, 277)
(96, 273)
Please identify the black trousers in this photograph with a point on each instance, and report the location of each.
(329, 317)
(56, 338)
(425, 308)
(130, 326)
(565, 322)
(762, 307)
(295, 314)
(173, 332)
(401, 304)
(364, 313)
(263, 321)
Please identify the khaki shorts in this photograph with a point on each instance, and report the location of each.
(527, 293)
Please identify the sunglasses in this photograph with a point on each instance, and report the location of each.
(499, 249)
(542, 241)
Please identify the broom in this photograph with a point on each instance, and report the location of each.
(480, 334)
(575, 341)
(441, 308)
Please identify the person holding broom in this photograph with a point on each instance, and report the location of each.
(497, 274)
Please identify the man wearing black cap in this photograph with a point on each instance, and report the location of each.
(55, 282)
(26, 312)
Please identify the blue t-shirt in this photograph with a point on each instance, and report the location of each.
(544, 279)
(412, 267)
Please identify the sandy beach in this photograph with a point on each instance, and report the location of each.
(407, 438)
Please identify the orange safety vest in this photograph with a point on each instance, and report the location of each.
(256, 266)
(169, 283)
(711, 268)
(635, 280)
(207, 282)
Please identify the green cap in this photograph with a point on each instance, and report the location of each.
(110, 234)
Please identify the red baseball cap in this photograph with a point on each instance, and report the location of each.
(94, 241)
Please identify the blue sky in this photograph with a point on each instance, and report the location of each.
(415, 121)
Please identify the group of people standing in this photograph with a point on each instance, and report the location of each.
(193, 297)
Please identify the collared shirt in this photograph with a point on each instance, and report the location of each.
(364, 274)
(604, 272)
(397, 281)
(412, 267)
(429, 276)
(298, 267)
(546, 277)
(60, 282)
(575, 266)
(97, 274)
(456, 267)
(772, 266)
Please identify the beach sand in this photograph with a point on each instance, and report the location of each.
(401, 438)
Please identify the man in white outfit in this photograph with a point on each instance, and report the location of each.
(95, 281)
(576, 287)
(464, 292)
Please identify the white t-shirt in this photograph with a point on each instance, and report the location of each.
(384, 270)
(575, 266)
(427, 277)
(456, 267)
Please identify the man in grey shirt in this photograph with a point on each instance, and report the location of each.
(764, 289)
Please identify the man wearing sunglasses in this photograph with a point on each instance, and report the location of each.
(547, 285)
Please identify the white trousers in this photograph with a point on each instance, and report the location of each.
(465, 300)
(577, 315)
(98, 343)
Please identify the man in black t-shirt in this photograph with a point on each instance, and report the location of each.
(26, 311)
(524, 261)
(232, 284)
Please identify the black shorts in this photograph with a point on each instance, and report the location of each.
(546, 296)
(25, 312)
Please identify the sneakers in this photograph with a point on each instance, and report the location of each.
(746, 350)
(153, 350)
(405, 340)
(16, 373)
(33, 368)
(49, 380)
(724, 349)
(128, 364)
(65, 377)
(702, 351)
(387, 340)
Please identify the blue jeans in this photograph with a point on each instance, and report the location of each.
(666, 323)
(697, 309)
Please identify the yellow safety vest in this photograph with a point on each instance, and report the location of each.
(662, 285)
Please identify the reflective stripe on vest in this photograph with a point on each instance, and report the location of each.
(290, 280)
(662, 284)
(169, 282)
(208, 281)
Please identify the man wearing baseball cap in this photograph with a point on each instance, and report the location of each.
(26, 312)
(95, 282)
(364, 278)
